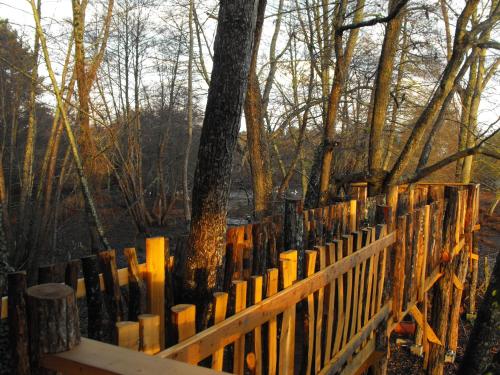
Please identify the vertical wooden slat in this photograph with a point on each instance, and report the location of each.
(155, 276)
(340, 301)
(356, 241)
(310, 268)
(240, 302)
(319, 316)
(288, 262)
(220, 309)
(272, 330)
(330, 293)
(107, 260)
(136, 286)
(256, 298)
(149, 333)
(352, 215)
(71, 273)
(127, 335)
(94, 297)
(347, 249)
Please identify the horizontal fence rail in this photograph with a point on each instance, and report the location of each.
(355, 270)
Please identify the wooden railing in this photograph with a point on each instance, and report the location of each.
(372, 262)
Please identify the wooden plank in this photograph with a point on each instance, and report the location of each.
(272, 329)
(431, 335)
(319, 314)
(352, 215)
(338, 360)
(205, 343)
(357, 237)
(94, 357)
(330, 292)
(240, 302)
(127, 335)
(458, 247)
(310, 269)
(288, 262)
(340, 300)
(4, 307)
(359, 359)
(347, 249)
(149, 333)
(155, 277)
(220, 309)
(257, 332)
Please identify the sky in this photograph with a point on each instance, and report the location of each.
(58, 12)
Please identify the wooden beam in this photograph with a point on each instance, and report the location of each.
(338, 360)
(98, 358)
(205, 343)
(431, 335)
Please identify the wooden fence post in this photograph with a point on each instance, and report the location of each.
(155, 276)
(240, 302)
(127, 335)
(136, 286)
(53, 321)
(94, 297)
(442, 291)
(220, 308)
(71, 273)
(112, 290)
(18, 324)
(288, 260)
(272, 330)
(293, 231)
(149, 333)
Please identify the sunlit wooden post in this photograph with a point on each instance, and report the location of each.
(127, 335)
(155, 276)
(149, 333)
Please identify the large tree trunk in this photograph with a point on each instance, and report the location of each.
(317, 192)
(382, 95)
(479, 356)
(257, 144)
(461, 45)
(212, 180)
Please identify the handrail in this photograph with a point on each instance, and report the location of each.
(203, 344)
(94, 357)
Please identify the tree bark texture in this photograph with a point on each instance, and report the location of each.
(226, 95)
(381, 94)
(480, 356)
(257, 144)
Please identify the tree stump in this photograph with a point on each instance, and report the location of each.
(53, 321)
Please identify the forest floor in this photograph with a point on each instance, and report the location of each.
(402, 362)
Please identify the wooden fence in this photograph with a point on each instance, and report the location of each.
(372, 262)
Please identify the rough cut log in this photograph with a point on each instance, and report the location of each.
(71, 273)
(107, 260)
(18, 326)
(53, 321)
(51, 273)
(293, 231)
(94, 298)
(442, 292)
(136, 286)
